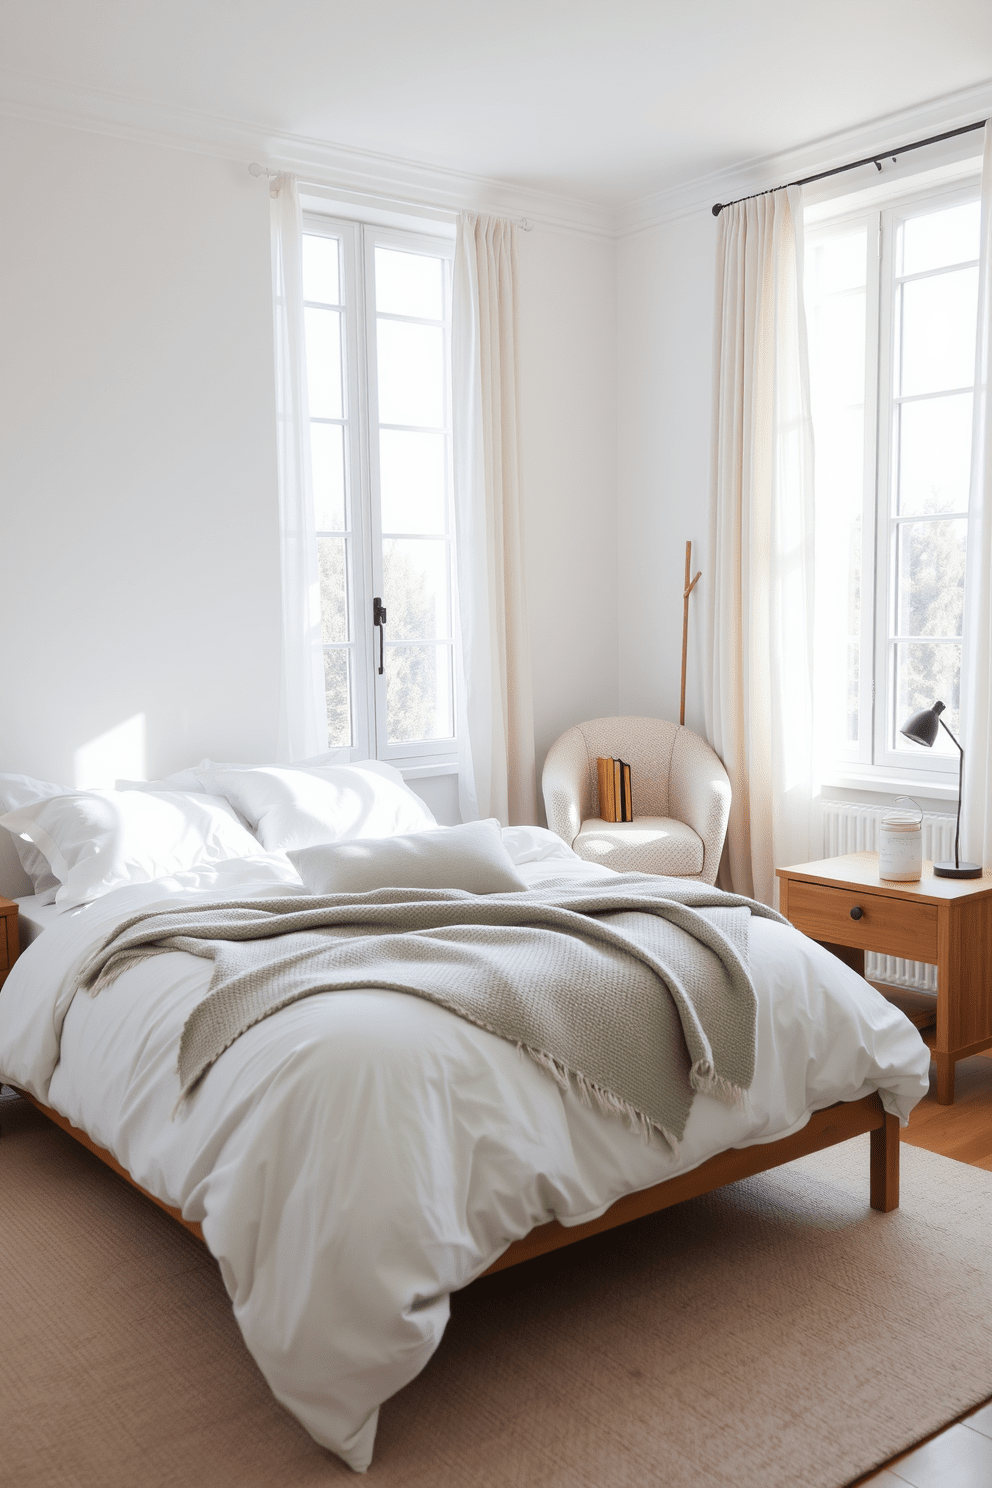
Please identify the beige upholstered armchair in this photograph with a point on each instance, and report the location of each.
(680, 791)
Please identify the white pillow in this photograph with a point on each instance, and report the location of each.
(296, 806)
(22, 790)
(186, 781)
(96, 841)
(469, 857)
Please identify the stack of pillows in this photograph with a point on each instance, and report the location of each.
(345, 828)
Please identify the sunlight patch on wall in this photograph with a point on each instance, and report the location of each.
(120, 753)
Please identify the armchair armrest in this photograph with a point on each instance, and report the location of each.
(567, 785)
(699, 793)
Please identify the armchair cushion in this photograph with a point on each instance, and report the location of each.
(648, 844)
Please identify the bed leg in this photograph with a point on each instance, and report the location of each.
(885, 1165)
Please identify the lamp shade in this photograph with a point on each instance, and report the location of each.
(923, 727)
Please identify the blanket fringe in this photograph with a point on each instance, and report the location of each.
(705, 1079)
(589, 1091)
(117, 965)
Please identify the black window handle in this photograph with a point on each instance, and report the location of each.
(379, 618)
(857, 912)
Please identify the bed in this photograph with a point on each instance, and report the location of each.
(358, 1156)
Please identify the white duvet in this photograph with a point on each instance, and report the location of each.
(359, 1155)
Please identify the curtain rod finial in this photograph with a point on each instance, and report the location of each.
(261, 170)
(717, 208)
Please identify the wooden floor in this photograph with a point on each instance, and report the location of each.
(960, 1456)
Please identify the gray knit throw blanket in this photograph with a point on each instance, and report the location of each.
(637, 991)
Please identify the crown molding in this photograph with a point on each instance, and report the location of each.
(764, 173)
(365, 175)
(359, 173)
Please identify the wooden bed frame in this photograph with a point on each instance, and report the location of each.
(825, 1128)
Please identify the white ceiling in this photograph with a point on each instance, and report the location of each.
(603, 102)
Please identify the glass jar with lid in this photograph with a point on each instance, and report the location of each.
(900, 843)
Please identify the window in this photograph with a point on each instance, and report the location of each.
(891, 299)
(377, 326)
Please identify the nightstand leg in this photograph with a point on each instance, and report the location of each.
(885, 1165)
(945, 1079)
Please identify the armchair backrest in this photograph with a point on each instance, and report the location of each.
(647, 745)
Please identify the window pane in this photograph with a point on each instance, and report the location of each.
(409, 284)
(836, 318)
(320, 270)
(938, 332)
(924, 674)
(930, 578)
(323, 339)
(411, 374)
(939, 238)
(327, 470)
(418, 693)
(839, 262)
(333, 589)
(838, 331)
(415, 588)
(933, 440)
(411, 481)
(337, 692)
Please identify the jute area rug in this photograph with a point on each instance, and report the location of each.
(775, 1334)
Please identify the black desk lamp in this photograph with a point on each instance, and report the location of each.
(922, 729)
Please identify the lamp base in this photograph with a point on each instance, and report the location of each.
(960, 870)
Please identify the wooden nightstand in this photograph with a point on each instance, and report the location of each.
(9, 944)
(946, 922)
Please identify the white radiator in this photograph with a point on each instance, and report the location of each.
(849, 829)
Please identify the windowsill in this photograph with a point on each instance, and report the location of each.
(423, 772)
(891, 783)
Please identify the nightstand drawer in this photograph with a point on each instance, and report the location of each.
(4, 953)
(893, 927)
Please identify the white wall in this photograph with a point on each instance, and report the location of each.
(138, 530)
(138, 545)
(665, 288)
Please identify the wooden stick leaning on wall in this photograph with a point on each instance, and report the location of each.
(685, 620)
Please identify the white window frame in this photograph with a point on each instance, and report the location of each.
(872, 758)
(358, 241)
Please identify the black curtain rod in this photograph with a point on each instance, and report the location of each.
(839, 170)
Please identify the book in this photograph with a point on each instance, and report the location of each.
(604, 776)
(616, 802)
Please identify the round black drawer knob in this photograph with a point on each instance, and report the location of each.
(857, 912)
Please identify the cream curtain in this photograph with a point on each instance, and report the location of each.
(303, 710)
(758, 698)
(976, 668)
(496, 771)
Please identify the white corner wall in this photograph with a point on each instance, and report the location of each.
(568, 437)
(139, 578)
(665, 291)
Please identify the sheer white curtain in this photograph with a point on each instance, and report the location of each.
(496, 771)
(976, 665)
(303, 710)
(758, 697)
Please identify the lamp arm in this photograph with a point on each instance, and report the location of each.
(957, 825)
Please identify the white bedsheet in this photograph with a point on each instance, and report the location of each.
(33, 916)
(356, 1157)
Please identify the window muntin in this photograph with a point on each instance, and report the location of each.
(890, 578)
(377, 327)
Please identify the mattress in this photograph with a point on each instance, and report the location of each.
(360, 1155)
